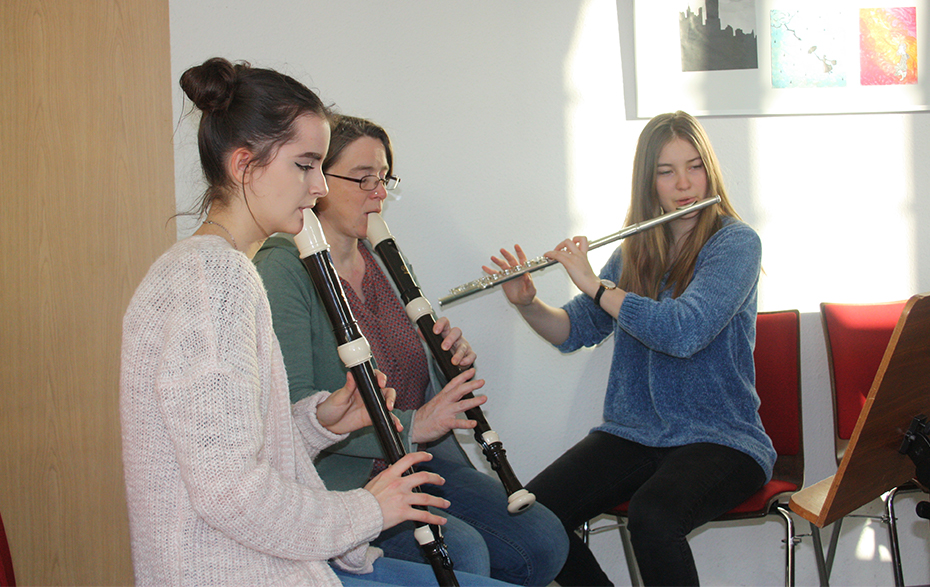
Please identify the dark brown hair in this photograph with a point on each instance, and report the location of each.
(243, 106)
(346, 129)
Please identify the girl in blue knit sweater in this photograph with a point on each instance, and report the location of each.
(681, 440)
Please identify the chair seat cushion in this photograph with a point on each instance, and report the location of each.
(757, 505)
(760, 502)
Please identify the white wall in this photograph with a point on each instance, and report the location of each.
(512, 123)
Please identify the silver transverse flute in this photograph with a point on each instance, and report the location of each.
(489, 281)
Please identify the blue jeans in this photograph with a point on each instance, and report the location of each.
(671, 492)
(397, 572)
(482, 536)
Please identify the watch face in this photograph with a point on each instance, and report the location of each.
(608, 284)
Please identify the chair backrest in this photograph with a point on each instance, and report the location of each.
(856, 336)
(777, 357)
(7, 579)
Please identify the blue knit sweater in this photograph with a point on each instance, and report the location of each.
(682, 370)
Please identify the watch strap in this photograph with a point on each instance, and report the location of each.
(597, 297)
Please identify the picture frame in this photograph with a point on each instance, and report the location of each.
(813, 57)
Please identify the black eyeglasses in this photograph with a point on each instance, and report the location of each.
(370, 183)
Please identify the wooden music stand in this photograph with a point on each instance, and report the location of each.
(872, 464)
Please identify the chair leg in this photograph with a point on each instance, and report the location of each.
(822, 573)
(831, 550)
(891, 520)
(790, 542)
(632, 567)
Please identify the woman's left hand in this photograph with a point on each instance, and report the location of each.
(462, 353)
(573, 255)
(344, 410)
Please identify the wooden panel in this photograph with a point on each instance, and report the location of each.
(87, 195)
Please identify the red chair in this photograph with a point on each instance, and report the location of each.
(857, 336)
(6, 560)
(778, 382)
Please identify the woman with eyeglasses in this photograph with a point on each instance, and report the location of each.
(483, 538)
(681, 440)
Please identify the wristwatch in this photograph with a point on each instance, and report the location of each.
(605, 285)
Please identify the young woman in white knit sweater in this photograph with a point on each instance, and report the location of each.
(221, 486)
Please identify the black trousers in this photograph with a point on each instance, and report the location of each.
(671, 492)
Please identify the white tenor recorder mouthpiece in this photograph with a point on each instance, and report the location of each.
(377, 229)
(310, 240)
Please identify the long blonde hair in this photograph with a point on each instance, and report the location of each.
(646, 255)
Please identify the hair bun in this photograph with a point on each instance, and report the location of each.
(210, 86)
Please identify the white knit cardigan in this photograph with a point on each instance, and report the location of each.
(220, 488)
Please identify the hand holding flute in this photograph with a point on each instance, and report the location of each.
(549, 322)
(521, 291)
(573, 255)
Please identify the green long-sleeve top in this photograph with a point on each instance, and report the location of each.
(313, 364)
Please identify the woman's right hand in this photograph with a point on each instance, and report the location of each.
(438, 416)
(520, 291)
(396, 496)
